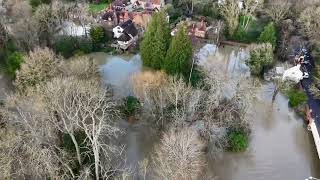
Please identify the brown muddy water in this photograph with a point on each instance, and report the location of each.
(280, 146)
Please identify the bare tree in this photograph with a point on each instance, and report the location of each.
(250, 7)
(39, 66)
(180, 155)
(30, 146)
(150, 87)
(278, 10)
(3, 34)
(80, 67)
(47, 21)
(26, 33)
(310, 22)
(83, 105)
(230, 11)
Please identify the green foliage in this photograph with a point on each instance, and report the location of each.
(98, 36)
(296, 97)
(174, 14)
(156, 41)
(197, 78)
(35, 3)
(131, 106)
(207, 9)
(269, 35)
(179, 54)
(68, 46)
(247, 33)
(13, 63)
(261, 58)
(85, 45)
(94, 8)
(238, 140)
(65, 46)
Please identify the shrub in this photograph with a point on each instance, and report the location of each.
(197, 78)
(296, 97)
(261, 58)
(238, 140)
(14, 61)
(84, 45)
(131, 105)
(248, 33)
(97, 35)
(66, 46)
(269, 35)
(35, 3)
(207, 9)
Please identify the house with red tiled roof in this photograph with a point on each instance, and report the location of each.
(149, 4)
(195, 28)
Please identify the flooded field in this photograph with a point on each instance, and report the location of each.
(280, 146)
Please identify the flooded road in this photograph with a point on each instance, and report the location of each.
(280, 146)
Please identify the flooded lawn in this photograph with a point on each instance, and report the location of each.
(280, 146)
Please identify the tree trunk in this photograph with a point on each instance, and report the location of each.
(77, 148)
(96, 160)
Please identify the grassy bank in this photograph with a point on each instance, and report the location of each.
(95, 8)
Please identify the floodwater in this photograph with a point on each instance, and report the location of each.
(118, 70)
(139, 138)
(280, 146)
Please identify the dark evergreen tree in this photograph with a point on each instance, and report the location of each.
(178, 59)
(156, 41)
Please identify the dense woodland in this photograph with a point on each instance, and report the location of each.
(62, 122)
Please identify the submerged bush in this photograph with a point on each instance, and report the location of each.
(66, 46)
(296, 97)
(13, 63)
(238, 140)
(131, 106)
(261, 58)
(197, 78)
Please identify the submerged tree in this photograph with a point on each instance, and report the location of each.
(180, 155)
(261, 57)
(178, 59)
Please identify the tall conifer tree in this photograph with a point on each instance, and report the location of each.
(178, 59)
